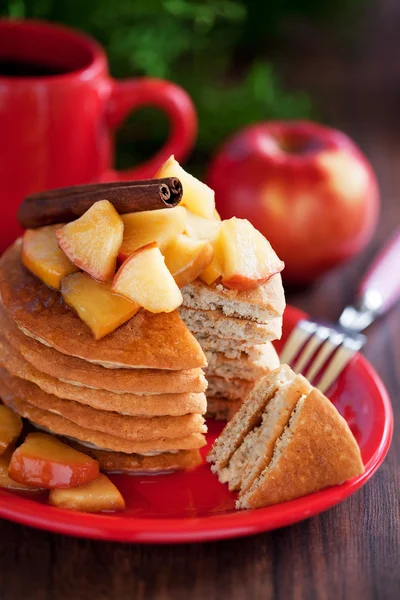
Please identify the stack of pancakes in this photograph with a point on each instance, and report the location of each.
(134, 399)
(235, 329)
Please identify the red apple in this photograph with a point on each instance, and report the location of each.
(308, 188)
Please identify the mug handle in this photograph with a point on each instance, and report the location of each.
(128, 95)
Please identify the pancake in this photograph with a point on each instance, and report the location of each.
(260, 304)
(230, 348)
(131, 428)
(156, 341)
(228, 389)
(102, 400)
(212, 322)
(243, 368)
(79, 372)
(222, 410)
(117, 462)
(64, 427)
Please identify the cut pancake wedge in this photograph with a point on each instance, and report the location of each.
(316, 450)
(247, 418)
(286, 441)
(255, 452)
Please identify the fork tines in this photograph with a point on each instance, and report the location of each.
(319, 352)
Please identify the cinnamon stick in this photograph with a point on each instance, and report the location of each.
(66, 204)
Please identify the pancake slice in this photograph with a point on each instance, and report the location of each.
(118, 462)
(221, 409)
(228, 389)
(255, 452)
(130, 404)
(243, 368)
(156, 341)
(79, 372)
(131, 428)
(64, 427)
(315, 450)
(247, 418)
(212, 322)
(261, 304)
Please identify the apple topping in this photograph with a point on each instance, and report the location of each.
(200, 228)
(142, 228)
(10, 428)
(197, 196)
(43, 461)
(247, 258)
(92, 242)
(6, 481)
(214, 269)
(187, 258)
(144, 278)
(95, 303)
(42, 255)
(98, 495)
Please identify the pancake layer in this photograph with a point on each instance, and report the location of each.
(156, 341)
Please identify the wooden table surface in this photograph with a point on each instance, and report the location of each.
(353, 550)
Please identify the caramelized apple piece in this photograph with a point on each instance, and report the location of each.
(92, 242)
(200, 228)
(213, 271)
(43, 461)
(42, 255)
(247, 258)
(187, 258)
(96, 304)
(6, 481)
(197, 196)
(95, 496)
(144, 278)
(10, 427)
(142, 228)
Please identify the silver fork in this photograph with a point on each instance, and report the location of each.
(321, 351)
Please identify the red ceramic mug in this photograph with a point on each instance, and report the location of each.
(59, 108)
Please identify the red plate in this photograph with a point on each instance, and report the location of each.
(194, 507)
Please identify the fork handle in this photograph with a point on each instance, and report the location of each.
(380, 287)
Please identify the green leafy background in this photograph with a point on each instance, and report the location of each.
(218, 50)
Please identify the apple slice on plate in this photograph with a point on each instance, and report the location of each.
(247, 258)
(5, 480)
(92, 242)
(10, 428)
(43, 461)
(42, 255)
(142, 228)
(98, 495)
(187, 258)
(197, 196)
(144, 278)
(95, 303)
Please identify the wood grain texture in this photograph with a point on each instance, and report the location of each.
(350, 552)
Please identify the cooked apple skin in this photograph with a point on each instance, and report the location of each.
(144, 278)
(93, 241)
(43, 461)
